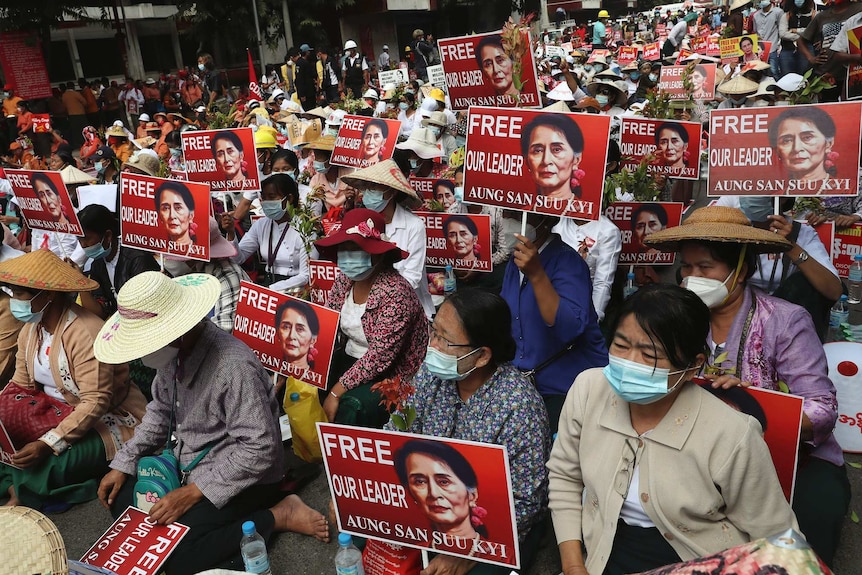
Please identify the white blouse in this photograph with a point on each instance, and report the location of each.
(351, 327)
(290, 258)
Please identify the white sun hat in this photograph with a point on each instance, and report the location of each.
(154, 310)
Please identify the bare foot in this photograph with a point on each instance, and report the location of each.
(291, 514)
(13, 499)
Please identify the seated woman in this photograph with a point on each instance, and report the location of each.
(768, 341)
(382, 323)
(632, 434)
(468, 389)
(55, 356)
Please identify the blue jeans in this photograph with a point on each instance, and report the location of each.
(773, 63)
(792, 62)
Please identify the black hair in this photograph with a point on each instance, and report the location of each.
(99, 219)
(285, 186)
(818, 117)
(179, 188)
(66, 156)
(741, 400)
(284, 154)
(448, 184)
(463, 220)
(743, 39)
(656, 209)
(173, 138)
(728, 254)
(303, 309)
(560, 122)
(226, 135)
(494, 40)
(292, 52)
(381, 125)
(700, 69)
(674, 318)
(674, 127)
(614, 154)
(410, 97)
(41, 177)
(486, 320)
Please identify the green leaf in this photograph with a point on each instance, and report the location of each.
(853, 517)
(410, 413)
(398, 422)
(854, 465)
(721, 358)
(783, 387)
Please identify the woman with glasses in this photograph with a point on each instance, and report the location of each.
(649, 468)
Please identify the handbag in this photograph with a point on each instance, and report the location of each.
(27, 414)
(531, 374)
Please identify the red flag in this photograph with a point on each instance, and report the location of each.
(254, 92)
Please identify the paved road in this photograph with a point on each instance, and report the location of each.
(299, 555)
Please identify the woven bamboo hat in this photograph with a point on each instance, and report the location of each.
(385, 173)
(72, 175)
(738, 85)
(31, 543)
(116, 131)
(324, 143)
(153, 311)
(721, 225)
(42, 270)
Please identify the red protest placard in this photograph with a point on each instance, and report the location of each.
(364, 141)
(378, 481)
(661, 30)
(224, 159)
(674, 147)
(699, 44)
(462, 241)
(636, 222)
(165, 216)
(424, 187)
(288, 335)
(44, 201)
(683, 54)
(802, 150)
(714, 46)
(596, 53)
(41, 123)
(743, 47)
(23, 65)
(323, 274)
(627, 55)
(135, 544)
(480, 71)
(826, 234)
(652, 52)
(544, 162)
(846, 244)
(702, 79)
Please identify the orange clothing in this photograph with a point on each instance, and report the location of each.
(75, 102)
(10, 106)
(25, 122)
(90, 105)
(123, 151)
(88, 148)
(141, 132)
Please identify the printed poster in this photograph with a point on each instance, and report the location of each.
(380, 485)
(854, 71)
(424, 187)
(436, 76)
(44, 201)
(652, 51)
(544, 162)
(744, 48)
(288, 335)
(323, 275)
(165, 216)
(23, 65)
(396, 76)
(462, 241)
(639, 220)
(224, 159)
(480, 71)
(627, 55)
(673, 147)
(846, 244)
(364, 141)
(802, 150)
(702, 78)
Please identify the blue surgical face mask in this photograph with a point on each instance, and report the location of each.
(355, 264)
(176, 153)
(100, 166)
(403, 105)
(320, 167)
(635, 76)
(436, 130)
(97, 251)
(273, 209)
(765, 4)
(374, 200)
(746, 12)
(799, 3)
(445, 366)
(638, 383)
(653, 78)
(459, 193)
(22, 309)
(588, 67)
(201, 67)
(414, 164)
(602, 100)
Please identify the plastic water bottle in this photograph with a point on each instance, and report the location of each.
(855, 277)
(630, 285)
(348, 560)
(449, 284)
(253, 549)
(839, 314)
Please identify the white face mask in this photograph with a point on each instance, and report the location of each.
(711, 292)
(161, 358)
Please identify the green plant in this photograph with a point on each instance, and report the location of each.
(307, 223)
(639, 182)
(217, 120)
(811, 87)
(395, 394)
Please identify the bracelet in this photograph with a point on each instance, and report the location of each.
(332, 393)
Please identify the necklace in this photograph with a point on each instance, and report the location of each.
(473, 547)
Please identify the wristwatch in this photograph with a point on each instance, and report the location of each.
(803, 257)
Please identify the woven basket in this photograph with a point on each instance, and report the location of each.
(32, 544)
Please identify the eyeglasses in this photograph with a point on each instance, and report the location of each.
(433, 336)
(623, 477)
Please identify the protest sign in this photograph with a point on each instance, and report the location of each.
(847, 243)
(661, 30)
(702, 77)
(424, 187)
(744, 47)
(479, 71)
(699, 44)
(854, 70)
(165, 216)
(567, 47)
(652, 51)
(377, 479)
(436, 76)
(288, 335)
(323, 274)
(224, 159)
(683, 54)
(462, 241)
(673, 147)
(627, 55)
(41, 123)
(802, 150)
(135, 545)
(637, 221)
(780, 416)
(397, 76)
(826, 235)
(596, 53)
(714, 46)
(101, 194)
(364, 141)
(44, 201)
(844, 359)
(23, 64)
(544, 162)
(7, 448)
(551, 51)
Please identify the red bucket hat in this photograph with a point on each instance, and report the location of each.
(365, 228)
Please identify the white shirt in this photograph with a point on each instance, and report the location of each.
(351, 326)
(632, 511)
(63, 245)
(42, 368)
(603, 242)
(407, 124)
(111, 266)
(408, 233)
(290, 258)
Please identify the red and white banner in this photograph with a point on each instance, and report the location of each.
(23, 65)
(603, 52)
(41, 123)
(802, 150)
(224, 159)
(323, 275)
(424, 187)
(165, 216)
(480, 72)
(545, 162)
(462, 241)
(135, 544)
(743, 47)
(846, 243)
(702, 79)
(637, 221)
(627, 55)
(652, 52)
(389, 485)
(288, 335)
(673, 147)
(254, 91)
(364, 141)
(44, 201)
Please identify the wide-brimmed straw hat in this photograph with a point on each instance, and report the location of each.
(561, 93)
(146, 162)
(117, 132)
(72, 175)
(323, 143)
(31, 542)
(153, 311)
(558, 106)
(718, 224)
(436, 119)
(318, 112)
(422, 142)
(736, 4)
(620, 91)
(385, 173)
(366, 228)
(754, 65)
(738, 85)
(42, 270)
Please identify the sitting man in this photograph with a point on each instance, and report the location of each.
(212, 390)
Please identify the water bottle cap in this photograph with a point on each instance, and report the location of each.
(630, 276)
(843, 297)
(344, 539)
(448, 268)
(248, 528)
(857, 257)
(294, 396)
